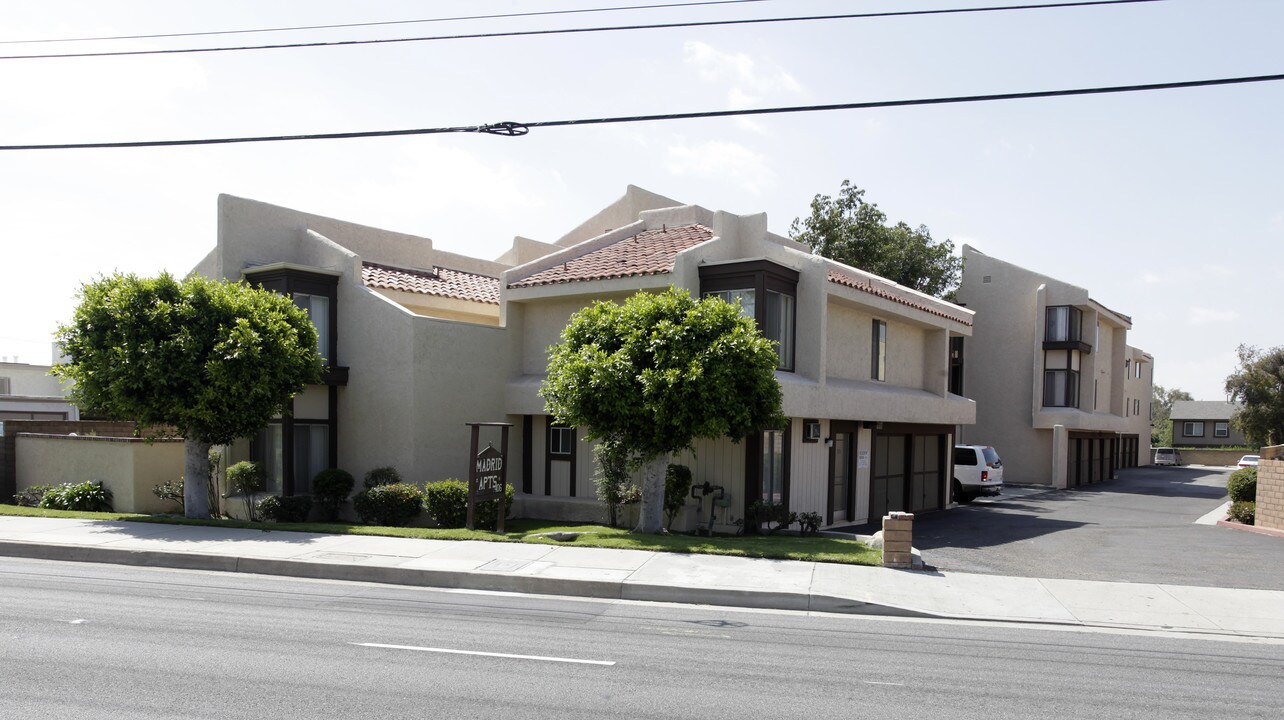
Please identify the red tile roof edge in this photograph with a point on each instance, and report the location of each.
(688, 235)
(869, 287)
(488, 296)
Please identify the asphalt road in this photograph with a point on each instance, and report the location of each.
(91, 641)
(1138, 528)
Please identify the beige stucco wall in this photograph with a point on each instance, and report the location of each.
(31, 380)
(129, 467)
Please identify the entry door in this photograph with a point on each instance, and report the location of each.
(841, 477)
(928, 471)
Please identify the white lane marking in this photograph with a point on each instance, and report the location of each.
(80, 621)
(486, 654)
(875, 682)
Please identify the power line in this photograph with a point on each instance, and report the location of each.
(515, 129)
(291, 28)
(566, 31)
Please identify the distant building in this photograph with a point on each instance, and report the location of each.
(29, 392)
(1059, 392)
(1205, 423)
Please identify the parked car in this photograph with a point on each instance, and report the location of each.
(1249, 460)
(1167, 456)
(977, 471)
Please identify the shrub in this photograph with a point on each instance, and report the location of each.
(808, 523)
(89, 496)
(330, 488)
(170, 490)
(677, 486)
(1243, 511)
(775, 515)
(611, 481)
(286, 509)
(31, 497)
(387, 475)
(1242, 485)
(394, 505)
(447, 502)
(246, 478)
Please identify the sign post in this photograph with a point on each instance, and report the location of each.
(487, 473)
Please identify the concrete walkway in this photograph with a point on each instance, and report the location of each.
(640, 575)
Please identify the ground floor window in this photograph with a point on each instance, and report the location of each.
(267, 449)
(309, 453)
(773, 466)
(311, 450)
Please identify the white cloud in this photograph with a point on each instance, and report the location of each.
(723, 161)
(1208, 316)
(749, 80)
(1151, 279)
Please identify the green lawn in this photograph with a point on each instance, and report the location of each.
(787, 547)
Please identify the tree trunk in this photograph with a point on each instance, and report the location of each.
(196, 478)
(651, 514)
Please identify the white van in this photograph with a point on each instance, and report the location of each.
(1167, 456)
(977, 471)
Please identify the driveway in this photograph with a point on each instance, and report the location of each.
(1138, 528)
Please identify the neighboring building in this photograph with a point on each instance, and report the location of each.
(1205, 423)
(29, 392)
(1060, 393)
(420, 341)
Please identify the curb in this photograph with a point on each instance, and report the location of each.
(1250, 528)
(461, 580)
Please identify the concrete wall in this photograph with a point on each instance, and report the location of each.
(1270, 488)
(1228, 458)
(31, 380)
(8, 442)
(129, 467)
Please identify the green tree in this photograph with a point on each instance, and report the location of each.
(1161, 408)
(656, 373)
(213, 360)
(1258, 385)
(853, 231)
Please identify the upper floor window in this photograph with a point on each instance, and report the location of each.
(1193, 428)
(1061, 388)
(956, 365)
(4, 386)
(766, 292)
(313, 291)
(878, 366)
(1064, 324)
(318, 309)
(1221, 429)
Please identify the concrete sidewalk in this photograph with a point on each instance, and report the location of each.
(638, 575)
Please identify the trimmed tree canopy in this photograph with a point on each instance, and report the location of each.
(215, 360)
(853, 231)
(1259, 385)
(658, 372)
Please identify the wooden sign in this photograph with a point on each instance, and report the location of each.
(488, 474)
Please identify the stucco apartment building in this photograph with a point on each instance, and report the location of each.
(1205, 423)
(420, 341)
(29, 392)
(1061, 395)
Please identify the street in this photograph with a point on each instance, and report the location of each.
(97, 641)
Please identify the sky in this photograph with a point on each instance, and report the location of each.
(1165, 205)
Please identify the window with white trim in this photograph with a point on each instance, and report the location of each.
(1221, 429)
(1193, 428)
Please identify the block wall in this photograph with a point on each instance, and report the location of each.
(1270, 488)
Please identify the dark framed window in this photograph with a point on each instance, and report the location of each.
(1064, 324)
(1061, 388)
(956, 365)
(1193, 428)
(4, 386)
(316, 293)
(766, 292)
(1221, 429)
(561, 440)
(774, 469)
(878, 355)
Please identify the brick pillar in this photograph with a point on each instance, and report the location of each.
(898, 539)
(1270, 488)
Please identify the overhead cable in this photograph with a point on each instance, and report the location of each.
(334, 26)
(582, 30)
(515, 129)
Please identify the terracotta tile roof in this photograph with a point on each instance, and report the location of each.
(650, 252)
(873, 287)
(442, 282)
